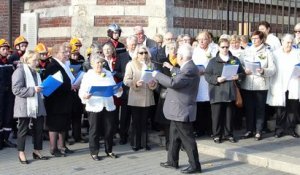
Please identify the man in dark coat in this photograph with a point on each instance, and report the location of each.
(180, 107)
(121, 63)
(6, 96)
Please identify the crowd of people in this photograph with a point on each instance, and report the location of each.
(269, 91)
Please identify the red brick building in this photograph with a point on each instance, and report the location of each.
(56, 21)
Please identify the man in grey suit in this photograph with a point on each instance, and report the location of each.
(180, 107)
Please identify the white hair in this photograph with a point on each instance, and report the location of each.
(185, 51)
(287, 37)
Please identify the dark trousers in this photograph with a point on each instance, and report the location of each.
(125, 121)
(139, 132)
(6, 113)
(222, 115)
(182, 133)
(76, 126)
(37, 132)
(255, 102)
(203, 123)
(286, 117)
(96, 120)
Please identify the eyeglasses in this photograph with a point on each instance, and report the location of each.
(225, 47)
(297, 31)
(141, 53)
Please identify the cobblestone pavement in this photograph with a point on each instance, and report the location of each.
(129, 162)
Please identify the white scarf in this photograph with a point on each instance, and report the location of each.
(67, 69)
(32, 102)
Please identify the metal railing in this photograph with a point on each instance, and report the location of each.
(238, 16)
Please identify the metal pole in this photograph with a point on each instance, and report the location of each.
(10, 22)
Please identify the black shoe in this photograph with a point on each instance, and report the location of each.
(135, 148)
(57, 153)
(217, 140)
(23, 161)
(247, 135)
(169, 165)
(35, 156)
(66, 150)
(112, 155)
(295, 135)
(191, 170)
(278, 135)
(95, 157)
(231, 139)
(147, 148)
(9, 144)
(123, 141)
(258, 136)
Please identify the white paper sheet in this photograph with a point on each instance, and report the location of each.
(229, 70)
(147, 76)
(253, 66)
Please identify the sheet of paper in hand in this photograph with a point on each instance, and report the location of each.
(253, 66)
(229, 70)
(147, 76)
(296, 71)
(51, 83)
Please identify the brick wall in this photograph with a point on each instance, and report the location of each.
(126, 21)
(121, 2)
(48, 3)
(51, 41)
(17, 9)
(64, 21)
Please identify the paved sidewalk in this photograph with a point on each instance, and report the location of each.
(281, 154)
(133, 163)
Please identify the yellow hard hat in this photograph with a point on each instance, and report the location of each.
(89, 51)
(40, 48)
(74, 49)
(75, 41)
(4, 43)
(20, 40)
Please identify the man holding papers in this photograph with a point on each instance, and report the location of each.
(256, 83)
(58, 103)
(222, 91)
(99, 108)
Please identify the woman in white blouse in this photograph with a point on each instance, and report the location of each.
(201, 56)
(256, 84)
(100, 109)
(284, 89)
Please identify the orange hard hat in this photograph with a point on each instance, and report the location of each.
(4, 43)
(40, 48)
(75, 41)
(20, 40)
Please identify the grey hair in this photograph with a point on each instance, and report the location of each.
(287, 37)
(131, 38)
(96, 57)
(185, 51)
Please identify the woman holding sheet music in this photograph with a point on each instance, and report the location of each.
(256, 84)
(29, 106)
(99, 108)
(284, 90)
(140, 96)
(222, 92)
(58, 103)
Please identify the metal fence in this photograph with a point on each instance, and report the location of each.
(238, 16)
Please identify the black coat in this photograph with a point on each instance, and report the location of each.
(120, 68)
(59, 102)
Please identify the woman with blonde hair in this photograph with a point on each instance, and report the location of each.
(140, 96)
(29, 107)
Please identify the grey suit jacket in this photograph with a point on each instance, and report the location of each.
(182, 89)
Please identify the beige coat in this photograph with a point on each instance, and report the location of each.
(138, 96)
